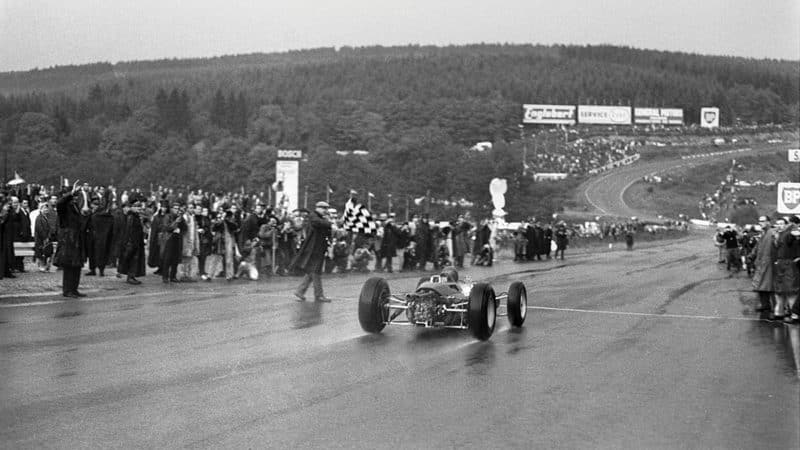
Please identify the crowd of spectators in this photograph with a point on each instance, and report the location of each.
(198, 236)
(580, 156)
(234, 235)
(769, 253)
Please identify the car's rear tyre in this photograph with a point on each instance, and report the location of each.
(482, 312)
(517, 304)
(372, 310)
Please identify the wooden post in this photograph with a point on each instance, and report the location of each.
(428, 201)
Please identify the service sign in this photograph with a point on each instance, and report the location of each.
(794, 154)
(549, 114)
(709, 117)
(604, 115)
(789, 198)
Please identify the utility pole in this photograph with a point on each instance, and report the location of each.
(524, 149)
(5, 159)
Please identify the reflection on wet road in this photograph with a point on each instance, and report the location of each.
(652, 348)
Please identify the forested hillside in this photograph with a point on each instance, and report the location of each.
(216, 123)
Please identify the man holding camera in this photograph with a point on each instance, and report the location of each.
(73, 221)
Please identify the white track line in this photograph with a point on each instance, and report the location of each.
(288, 296)
(626, 313)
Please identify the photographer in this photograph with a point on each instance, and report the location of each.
(6, 237)
(71, 254)
(170, 240)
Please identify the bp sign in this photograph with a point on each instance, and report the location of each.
(789, 198)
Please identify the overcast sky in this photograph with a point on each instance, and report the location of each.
(44, 33)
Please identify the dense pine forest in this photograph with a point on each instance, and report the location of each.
(216, 123)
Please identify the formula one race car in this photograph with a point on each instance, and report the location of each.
(441, 301)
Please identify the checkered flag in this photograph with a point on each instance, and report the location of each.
(358, 219)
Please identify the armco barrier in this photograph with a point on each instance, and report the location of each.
(706, 155)
(623, 162)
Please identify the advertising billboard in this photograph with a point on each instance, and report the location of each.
(604, 115)
(658, 116)
(709, 117)
(287, 179)
(789, 198)
(674, 116)
(548, 114)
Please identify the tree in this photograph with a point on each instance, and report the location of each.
(130, 142)
(224, 166)
(173, 163)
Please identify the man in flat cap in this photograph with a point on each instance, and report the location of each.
(311, 256)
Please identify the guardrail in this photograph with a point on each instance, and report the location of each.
(623, 162)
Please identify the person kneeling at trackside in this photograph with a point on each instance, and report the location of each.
(311, 255)
(786, 276)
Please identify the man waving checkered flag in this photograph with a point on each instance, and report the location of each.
(357, 218)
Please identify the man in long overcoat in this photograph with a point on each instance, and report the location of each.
(311, 255)
(6, 237)
(786, 277)
(424, 240)
(102, 226)
(764, 262)
(170, 242)
(71, 252)
(120, 214)
(388, 246)
(132, 260)
(153, 247)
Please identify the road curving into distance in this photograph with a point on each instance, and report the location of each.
(604, 194)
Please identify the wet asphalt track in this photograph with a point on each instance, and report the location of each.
(654, 348)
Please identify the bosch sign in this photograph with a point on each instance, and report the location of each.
(552, 114)
(290, 154)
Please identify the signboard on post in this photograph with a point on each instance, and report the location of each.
(287, 179)
(789, 198)
(548, 114)
(709, 117)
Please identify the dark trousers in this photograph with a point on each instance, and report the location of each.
(201, 264)
(169, 271)
(314, 278)
(765, 298)
(71, 279)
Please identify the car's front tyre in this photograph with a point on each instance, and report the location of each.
(517, 303)
(372, 310)
(482, 312)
